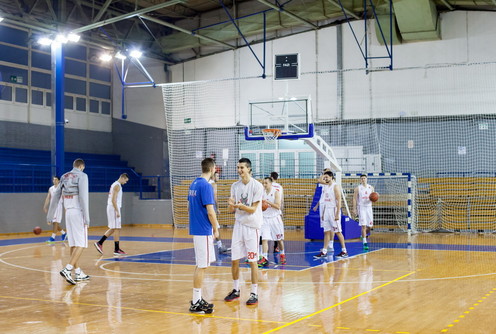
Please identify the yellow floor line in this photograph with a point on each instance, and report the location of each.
(340, 303)
(145, 310)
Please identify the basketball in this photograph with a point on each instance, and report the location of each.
(374, 197)
(265, 205)
(37, 230)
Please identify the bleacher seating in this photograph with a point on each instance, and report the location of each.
(23, 170)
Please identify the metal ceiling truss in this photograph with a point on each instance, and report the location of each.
(365, 51)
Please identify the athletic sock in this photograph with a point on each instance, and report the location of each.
(236, 284)
(62, 232)
(219, 243)
(364, 240)
(69, 267)
(102, 240)
(281, 252)
(344, 250)
(196, 295)
(254, 288)
(54, 235)
(264, 255)
(324, 251)
(78, 271)
(116, 245)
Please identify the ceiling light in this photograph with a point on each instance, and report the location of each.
(61, 38)
(1, 19)
(119, 55)
(135, 53)
(45, 41)
(105, 57)
(73, 37)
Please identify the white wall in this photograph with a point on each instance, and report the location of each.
(425, 81)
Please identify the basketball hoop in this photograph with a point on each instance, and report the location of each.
(271, 134)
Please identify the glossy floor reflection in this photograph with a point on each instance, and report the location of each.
(427, 283)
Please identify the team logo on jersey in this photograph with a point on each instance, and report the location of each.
(244, 199)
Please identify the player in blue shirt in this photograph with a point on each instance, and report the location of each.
(203, 227)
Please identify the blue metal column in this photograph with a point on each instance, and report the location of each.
(58, 109)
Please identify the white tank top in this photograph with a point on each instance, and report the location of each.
(111, 194)
(329, 196)
(271, 197)
(363, 195)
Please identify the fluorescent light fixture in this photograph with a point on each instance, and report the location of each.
(1, 19)
(119, 55)
(105, 57)
(293, 98)
(61, 38)
(135, 53)
(45, 41)
(73, 37)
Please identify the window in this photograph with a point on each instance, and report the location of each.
(80, 104)
(98, 90)
(68, 102)
(76, 51)
(14, 36)
(94, 106)
(12, 74)
(41, 80)
(105, 108)
(37, 97)
(75, 67)
(99, 73)
(5, 93)
(13, 55)
(48, 99)
(41, 60)
(75, 86)
(21, 95)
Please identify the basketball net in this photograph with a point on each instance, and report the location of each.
(271, 135)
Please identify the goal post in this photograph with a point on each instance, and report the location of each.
(396, 208)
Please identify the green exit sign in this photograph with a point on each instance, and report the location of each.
(13, 78)
(187, 120)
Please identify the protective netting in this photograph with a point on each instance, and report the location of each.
(437, 127)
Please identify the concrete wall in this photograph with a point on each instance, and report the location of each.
(22, 212)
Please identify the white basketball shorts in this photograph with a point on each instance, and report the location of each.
(272, 228)
(245, 241)
(77, 230)
(365, 216)
(112, 220)
(204, 250)
(328, 222)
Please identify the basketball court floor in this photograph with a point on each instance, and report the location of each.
(428, 283)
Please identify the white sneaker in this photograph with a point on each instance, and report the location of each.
(67, 275)
(81, 277)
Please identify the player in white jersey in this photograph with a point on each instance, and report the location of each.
(272, 227)
(362, 207)
(245, 202)
(57, 219)
(213, 181)
(275, 177)
(74, 190)
(114, 204)
(330, 212)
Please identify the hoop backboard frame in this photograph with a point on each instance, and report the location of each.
(292, 116)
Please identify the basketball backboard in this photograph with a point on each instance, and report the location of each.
(292, 116)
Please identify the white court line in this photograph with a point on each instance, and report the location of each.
(247, 269)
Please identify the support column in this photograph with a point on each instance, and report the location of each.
(58, 118)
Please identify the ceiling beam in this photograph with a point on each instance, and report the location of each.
(102, 10)
(170, 25)
(126, 16)
(288, 13)
(347, 11)
(450, 7)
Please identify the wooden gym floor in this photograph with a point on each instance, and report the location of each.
(429, 283)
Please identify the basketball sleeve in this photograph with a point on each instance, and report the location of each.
(258, 193)
(54, 201)
(207, 195)
(84, 197)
